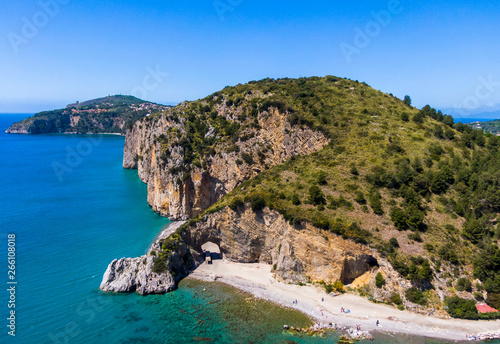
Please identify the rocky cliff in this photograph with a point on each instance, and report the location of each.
(181, 191)
(298, 253)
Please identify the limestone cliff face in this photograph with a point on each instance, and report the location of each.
(299, 253)
(182, 195)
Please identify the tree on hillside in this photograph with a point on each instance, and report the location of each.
(316, 196)
(398, 216)
(407, 100)
(473, 231)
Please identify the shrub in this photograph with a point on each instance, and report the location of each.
(257, 202)
(235, 203)
(394, 242)
(295, 199)
(400, 267)
(420, 271)
(478, 296)
(464, 284)
(415, 236)
(321, 178)
(379, 280)
(171, 243)
(339, 286)
(398, 217)
(418, 118)
(461, 308)
(321, 222)
(354, 171)
(247, 158)
(396, 299)
(335, 203)
(316, 196)
(159, 265)
(375, 203)
(415, 295)
(493, 300)
(473, 231)
(360, 198)
(447, 252)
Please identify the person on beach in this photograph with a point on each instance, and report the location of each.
(378, 322)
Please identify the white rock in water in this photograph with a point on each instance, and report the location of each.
(136, 274)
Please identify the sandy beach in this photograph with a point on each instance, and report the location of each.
(258, 280)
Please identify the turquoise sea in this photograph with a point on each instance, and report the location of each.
(74, 209)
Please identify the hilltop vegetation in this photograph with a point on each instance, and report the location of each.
(112, 114)
(492, 127)
(410, 183)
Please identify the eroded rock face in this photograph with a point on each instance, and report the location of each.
(136, 274)
(244, 236)
(298, 252)
(179, 196)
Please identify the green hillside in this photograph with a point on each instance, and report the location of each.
(492, 127)
(420, 189)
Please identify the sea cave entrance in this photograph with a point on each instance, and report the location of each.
(211, 252)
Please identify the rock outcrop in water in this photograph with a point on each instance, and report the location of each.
(136, 274)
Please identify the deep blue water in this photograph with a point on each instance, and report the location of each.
(471, 120)
(74, 209)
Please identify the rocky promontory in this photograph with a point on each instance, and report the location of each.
(327, 181)
(136, 274)
(111, 115)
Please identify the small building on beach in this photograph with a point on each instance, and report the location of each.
(484, 308)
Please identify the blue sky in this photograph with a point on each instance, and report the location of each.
(443, 53)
